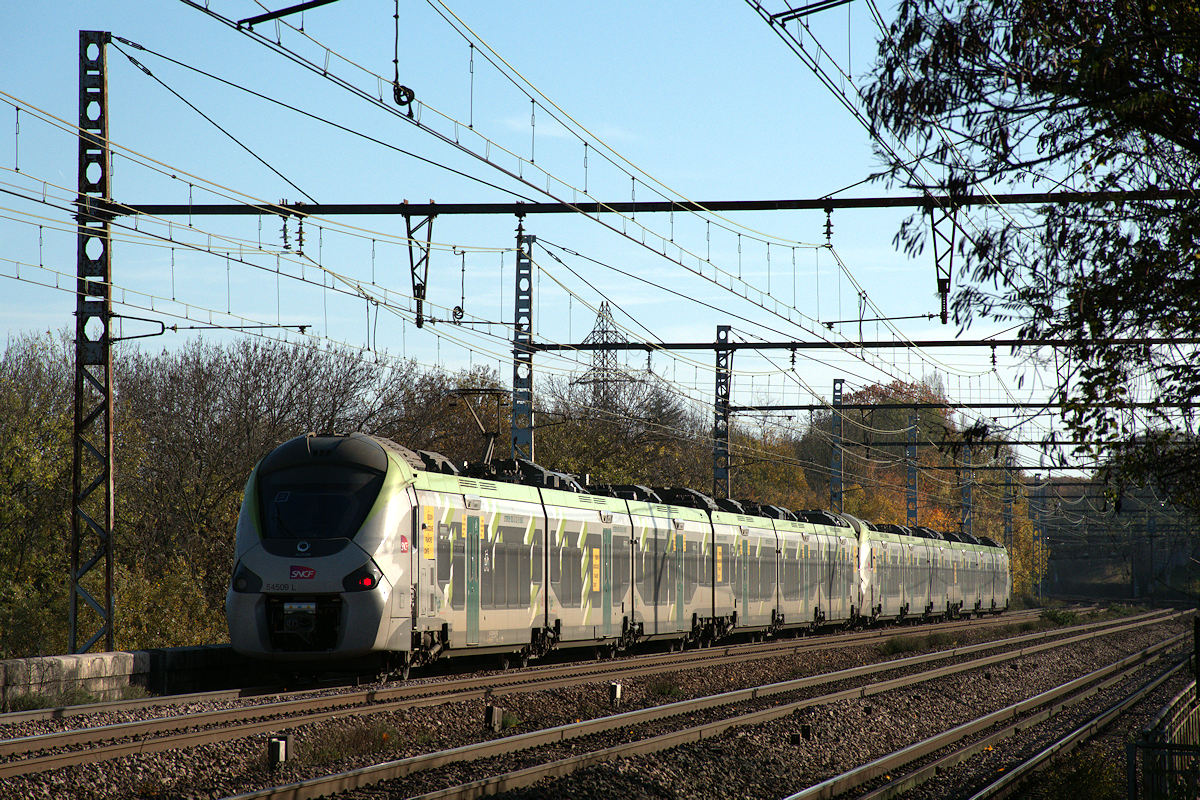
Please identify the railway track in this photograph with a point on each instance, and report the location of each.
(685, 727)
(687, 721)
(964, 741)
(275, 713)
(36, 754)
(274, 694)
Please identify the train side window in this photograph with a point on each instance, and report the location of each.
(571, 583)
(487, 574)
(555, 566)
(443, 554)
(639, 571)
(791, 575)
(620, 564)
(535, 556)
(518, 572)
(689, 567)
(459, 559)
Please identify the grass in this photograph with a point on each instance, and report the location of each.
(909, 644)
(74, 696)
(902, 644)
(1058, 616)
(940, 640)
(340, 743)
(68, 697)
(665, 687)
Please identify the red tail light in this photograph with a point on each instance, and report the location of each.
(363, 579)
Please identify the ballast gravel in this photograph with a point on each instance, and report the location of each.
(754, 761)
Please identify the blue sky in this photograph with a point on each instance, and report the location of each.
(700, 97)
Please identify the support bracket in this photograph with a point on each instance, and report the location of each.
(943, 225)
(418, 258)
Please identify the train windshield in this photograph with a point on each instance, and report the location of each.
(317, 502)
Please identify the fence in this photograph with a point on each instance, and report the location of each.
(1169, 752)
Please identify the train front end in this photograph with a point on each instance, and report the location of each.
(323, 556)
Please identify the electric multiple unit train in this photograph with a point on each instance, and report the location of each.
(349, 545)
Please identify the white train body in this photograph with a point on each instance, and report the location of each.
(352, 545)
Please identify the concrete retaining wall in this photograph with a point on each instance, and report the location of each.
(107, 675)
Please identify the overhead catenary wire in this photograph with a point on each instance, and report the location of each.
(779, 309)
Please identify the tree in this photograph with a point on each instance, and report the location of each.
(1101, 95)
(35, 494)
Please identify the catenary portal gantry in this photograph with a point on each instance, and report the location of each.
(92, 474)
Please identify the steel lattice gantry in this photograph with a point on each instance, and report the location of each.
(92, 511)
(522, 403)
(835, 451)
(721, 481)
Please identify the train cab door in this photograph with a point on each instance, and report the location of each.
(474, 535)
(422, 562)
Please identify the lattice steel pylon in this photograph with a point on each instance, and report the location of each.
(605, 372)
(92, 498)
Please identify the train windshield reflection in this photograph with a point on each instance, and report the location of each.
(311, 502)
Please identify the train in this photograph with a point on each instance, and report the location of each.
(351, 545)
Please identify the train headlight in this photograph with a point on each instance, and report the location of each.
(363, 579)
(245, 581)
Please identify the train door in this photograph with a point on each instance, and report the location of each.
(808, 582)
(604, 565)
(680, 548)
(440, 574)
(723, 542)
(744, 573)
(474, 536)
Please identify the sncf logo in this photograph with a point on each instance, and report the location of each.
(303, 573)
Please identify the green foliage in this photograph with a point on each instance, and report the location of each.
(35, 463)
(1060, 617)
(167, 608)
(1088, 773)
(1103, 95)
